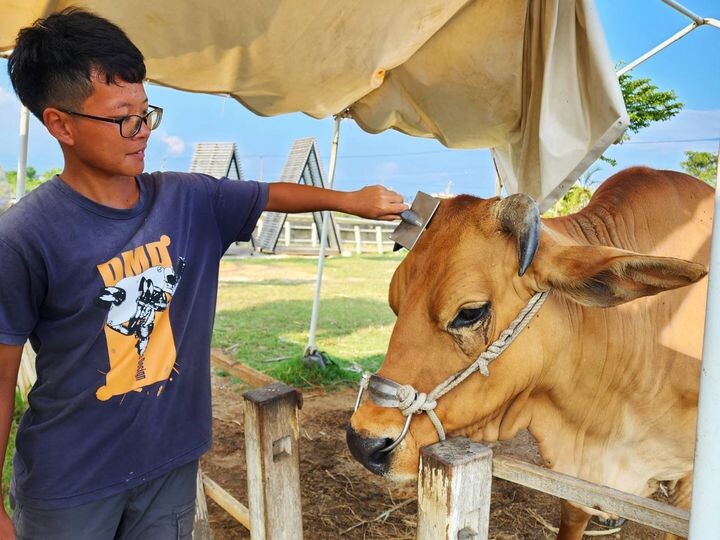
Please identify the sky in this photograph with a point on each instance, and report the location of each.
(690, 67)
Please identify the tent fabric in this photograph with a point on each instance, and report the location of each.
(530, 79)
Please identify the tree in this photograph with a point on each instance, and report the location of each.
(47, 175)
(32, 180)
(576, 197)
(646, 103)
(702, 165)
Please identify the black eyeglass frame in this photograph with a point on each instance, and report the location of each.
(119, 121)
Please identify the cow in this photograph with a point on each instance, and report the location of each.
(605, 373)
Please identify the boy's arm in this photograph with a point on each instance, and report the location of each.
(10, 356)
(373, 202)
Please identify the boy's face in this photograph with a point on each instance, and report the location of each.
(99, 145)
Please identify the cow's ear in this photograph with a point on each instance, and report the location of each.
(604, 277)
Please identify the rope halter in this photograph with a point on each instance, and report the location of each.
(387, 393)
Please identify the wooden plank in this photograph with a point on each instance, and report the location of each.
(248, 375)
(201, 527)
(273, 462)
(226, 501)
(26, 374)
(638, 509)
(454, 491)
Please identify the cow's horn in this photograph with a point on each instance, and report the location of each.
(519, 215)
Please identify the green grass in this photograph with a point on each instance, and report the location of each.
(264, 307)
(20, 406)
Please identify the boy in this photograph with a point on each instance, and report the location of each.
(112, 275)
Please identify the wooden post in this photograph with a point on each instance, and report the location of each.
(378, 238)
(201, 528)
(26, 374)
(273, 462)
(454, 491)
(358, 240)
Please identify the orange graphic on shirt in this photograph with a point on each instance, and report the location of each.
(139, 285)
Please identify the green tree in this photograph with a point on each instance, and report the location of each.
(576, 197)
(702, 165)
(47, 175)
(32, 180)
(646, 103)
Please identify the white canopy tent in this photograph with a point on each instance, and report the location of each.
(530, 79)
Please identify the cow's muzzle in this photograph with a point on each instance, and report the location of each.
(370, 452)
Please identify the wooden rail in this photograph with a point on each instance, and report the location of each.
(452, 507)
(356, 234)
(245, 373)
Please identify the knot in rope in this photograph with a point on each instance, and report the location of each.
(412, 401)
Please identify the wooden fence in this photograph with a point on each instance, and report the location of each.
(454, 492)
(357, 235)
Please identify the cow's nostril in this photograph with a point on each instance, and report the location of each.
(368, 451)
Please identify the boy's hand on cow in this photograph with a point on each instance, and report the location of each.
(376, 202)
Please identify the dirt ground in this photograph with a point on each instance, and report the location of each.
(341, 499)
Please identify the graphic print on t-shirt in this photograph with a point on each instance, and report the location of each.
(139, 285)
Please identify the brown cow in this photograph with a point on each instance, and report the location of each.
(605, 375)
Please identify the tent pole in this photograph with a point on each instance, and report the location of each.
(682, 9)
(311, 349)
(682, 33)
(22, 154)
(697, 21)
(705, 506)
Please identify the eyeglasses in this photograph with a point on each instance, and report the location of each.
(131, 124)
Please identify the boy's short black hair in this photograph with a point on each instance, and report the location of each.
(54, 59)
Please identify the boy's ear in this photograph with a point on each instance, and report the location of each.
(601, 276)
(59, 126)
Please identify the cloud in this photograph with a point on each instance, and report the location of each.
(7, 98)
(387, 168)
(175, 145)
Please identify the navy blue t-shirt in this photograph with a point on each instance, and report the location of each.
(119, 307)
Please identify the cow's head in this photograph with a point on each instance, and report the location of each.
(470, 274)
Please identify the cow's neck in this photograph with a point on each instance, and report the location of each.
(593, 396)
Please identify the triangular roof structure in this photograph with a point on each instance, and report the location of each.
(303, 167)
(217, 159)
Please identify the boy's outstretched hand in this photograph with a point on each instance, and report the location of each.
(373, 202)
(376, 202)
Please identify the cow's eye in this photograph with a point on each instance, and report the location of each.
(470, 316)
